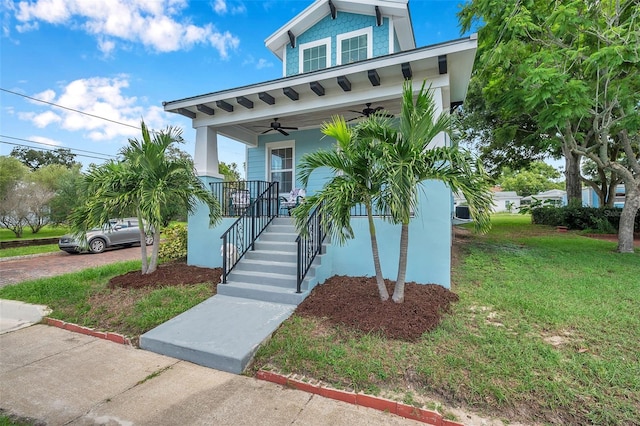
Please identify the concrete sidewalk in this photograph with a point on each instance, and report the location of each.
(59, 377)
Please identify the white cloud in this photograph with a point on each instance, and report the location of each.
(156, 24)
(220, 7)
(46, 141)
(263, 63)
(98, 98)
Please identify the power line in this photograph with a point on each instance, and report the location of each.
(50, 149)
(70, 109)
(50, 144)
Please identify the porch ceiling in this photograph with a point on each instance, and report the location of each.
(307, 100)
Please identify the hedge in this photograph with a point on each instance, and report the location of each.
(598, 219)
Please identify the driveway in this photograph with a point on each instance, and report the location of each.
(13, 271)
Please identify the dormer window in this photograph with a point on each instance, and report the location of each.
(354, 46)
(315, 55)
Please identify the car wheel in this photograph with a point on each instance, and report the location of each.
(149, 239)
(97, 245)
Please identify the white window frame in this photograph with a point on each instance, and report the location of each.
(301, 48)
(364, 31)
(279, 145)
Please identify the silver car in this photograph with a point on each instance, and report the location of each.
(118, 233)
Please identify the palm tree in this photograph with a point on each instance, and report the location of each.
(409, 159)
(144, 183)
(356, 181)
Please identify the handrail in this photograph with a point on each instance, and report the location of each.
(242, 235)
(309, 245)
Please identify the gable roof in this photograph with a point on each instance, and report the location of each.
(398, 10)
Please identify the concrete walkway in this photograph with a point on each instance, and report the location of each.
(59, 377)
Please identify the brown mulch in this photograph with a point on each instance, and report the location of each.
(349, 301)
(355, 303)
(169, 274)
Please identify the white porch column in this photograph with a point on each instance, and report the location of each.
(205, 157)
(441, 139)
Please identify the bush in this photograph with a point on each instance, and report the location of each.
(174, 244)
(602, 220)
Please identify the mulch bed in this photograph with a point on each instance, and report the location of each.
(354, 302)
(170, 274)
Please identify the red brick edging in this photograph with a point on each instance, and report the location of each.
(408, 411)
(113, 337)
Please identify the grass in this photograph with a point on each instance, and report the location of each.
(23, 251)
(83, 298)
(546, 330)
(45, 232)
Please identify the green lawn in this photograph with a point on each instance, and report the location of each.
(547, 329)
(22, 251)
(45, 232)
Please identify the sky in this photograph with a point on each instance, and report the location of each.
(118, 60)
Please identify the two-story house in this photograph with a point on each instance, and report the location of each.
(339, 57)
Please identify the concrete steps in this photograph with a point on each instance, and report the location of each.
(224, 331)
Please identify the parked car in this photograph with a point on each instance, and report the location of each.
(117, 233)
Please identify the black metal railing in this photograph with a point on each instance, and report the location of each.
(309, 245)
(254, 218)
(236, 196)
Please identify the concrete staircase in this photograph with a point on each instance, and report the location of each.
(268, 273)
(224, 331)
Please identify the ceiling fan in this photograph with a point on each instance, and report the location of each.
(275, 125)
(367, 111)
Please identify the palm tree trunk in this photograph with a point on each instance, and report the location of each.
(153, 264)
(398, 292)
(143, 245)
(382, 288)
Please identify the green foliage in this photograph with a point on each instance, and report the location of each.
(229, 171)
(34, 158)
(11, 172)
(538, 177)
(600, 220)
(173, 245)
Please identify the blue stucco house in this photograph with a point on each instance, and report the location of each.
(339, 57)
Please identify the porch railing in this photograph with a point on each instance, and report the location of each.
(309, 245)
(253, 220)
(235, 196)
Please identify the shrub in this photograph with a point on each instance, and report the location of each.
(174, 244)
(602, 220)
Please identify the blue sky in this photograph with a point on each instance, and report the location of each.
(120, 59)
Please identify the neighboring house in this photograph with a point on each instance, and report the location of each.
(337, 57)
(556, 197)
(503, 201)
(590, 198)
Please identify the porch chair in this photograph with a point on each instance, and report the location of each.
(296, 196)
(240, 201)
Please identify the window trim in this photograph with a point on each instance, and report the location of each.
(302, 47)
(368, 31)
(279, 145)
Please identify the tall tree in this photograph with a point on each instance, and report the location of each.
(538, 177)
(36, 158)
(144, 182)
(409, 158)
(357, 172)
(574, 68)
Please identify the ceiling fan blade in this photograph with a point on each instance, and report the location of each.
(266, 131)
(289, 128)
(357, 112)
(352, 119)
(282, 131)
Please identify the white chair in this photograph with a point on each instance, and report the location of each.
(296, 196)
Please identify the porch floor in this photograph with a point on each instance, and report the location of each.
(222, 332)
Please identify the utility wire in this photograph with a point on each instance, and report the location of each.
(50, 149)
(70, 109)
(58, 147)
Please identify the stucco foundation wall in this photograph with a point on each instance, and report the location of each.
(429, 255)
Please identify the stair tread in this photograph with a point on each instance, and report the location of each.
(261, 273)
(270, 262)
(263, 287)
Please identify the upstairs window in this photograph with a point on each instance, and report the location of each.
(355, 46)
(315, 55)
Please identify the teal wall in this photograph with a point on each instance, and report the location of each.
(344, 23)
(429, 254)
